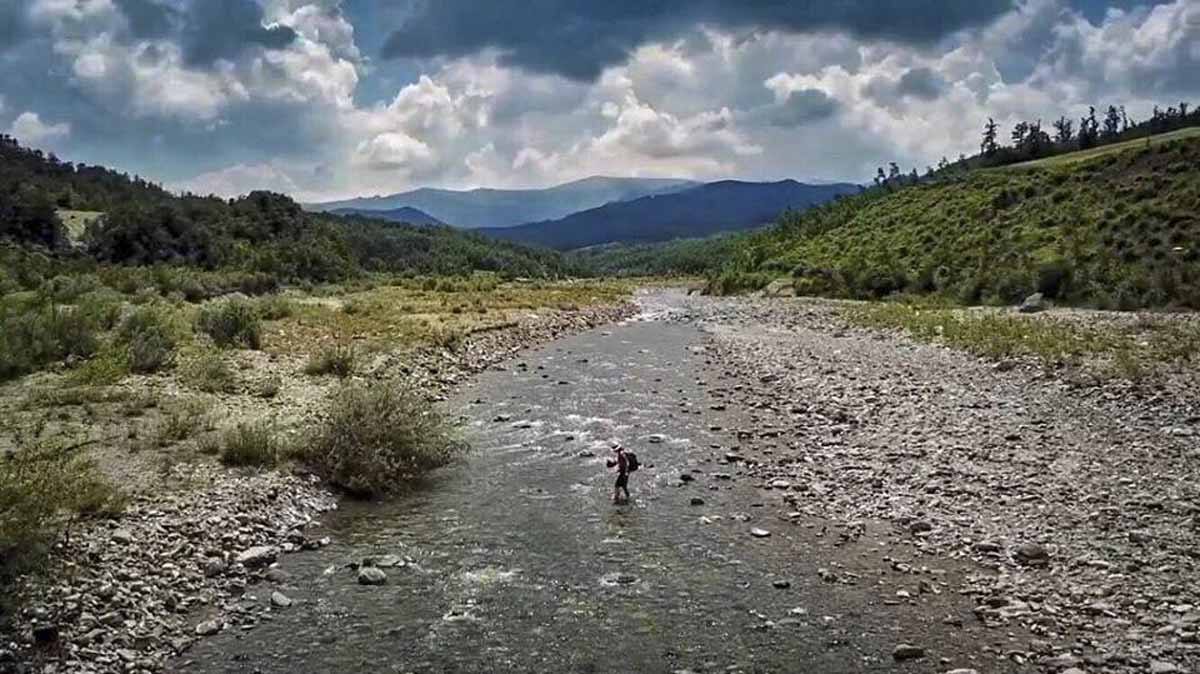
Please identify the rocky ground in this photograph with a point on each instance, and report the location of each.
(1078, 497)
(183, 563)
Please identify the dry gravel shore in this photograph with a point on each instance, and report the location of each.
(1078, 497)
(178, 565)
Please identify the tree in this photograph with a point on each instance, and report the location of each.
(893, 171)
(989, 147)
(1064, 131)
(1124, 120)
(1112, 123)
(1088, 130)
(1018, 134)
(880, 177)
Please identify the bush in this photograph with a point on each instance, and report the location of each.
(377, 437)
(210, 374)
(336, 360)
(32, 337)
(41, 489)
(233, 322)
(250, 444)
(147, 333)
(274, 307)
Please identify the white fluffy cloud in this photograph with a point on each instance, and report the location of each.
(29, 128)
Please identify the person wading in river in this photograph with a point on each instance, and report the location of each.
(626, 463)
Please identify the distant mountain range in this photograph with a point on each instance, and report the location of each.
(693, 212)
(506, 208)
(405, 214)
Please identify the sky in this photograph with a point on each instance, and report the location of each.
(328, 99)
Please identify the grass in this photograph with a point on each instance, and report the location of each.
(231, 323)
(77, 221)
(423, 311)
(1131, 351)
(1118, 231)
(181, 422)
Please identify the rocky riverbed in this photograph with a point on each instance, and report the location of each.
(1077, 498)
(187, 561)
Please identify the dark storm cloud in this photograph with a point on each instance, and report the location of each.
(802, 107)
(216, 29)
(578, 38)
(148, 18)
(12, 25)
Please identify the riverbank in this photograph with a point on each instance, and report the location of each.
(1072, 486)
(126, 594)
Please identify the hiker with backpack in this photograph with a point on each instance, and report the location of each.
(626, 463)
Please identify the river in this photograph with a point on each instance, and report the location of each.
(517, 561)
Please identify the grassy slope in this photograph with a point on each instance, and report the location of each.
(1097, 152)
(1120, 230)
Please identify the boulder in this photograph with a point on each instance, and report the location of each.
(1033, 304)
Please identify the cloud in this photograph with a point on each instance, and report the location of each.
(799, 107)
(239, 179)
(216, 29)
(12, 25)
(579, 38)
(29, 128)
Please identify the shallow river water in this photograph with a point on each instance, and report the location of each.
(520, 563)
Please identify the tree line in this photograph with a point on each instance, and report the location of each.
(1030, 140)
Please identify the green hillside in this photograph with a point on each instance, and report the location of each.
(1117, 230)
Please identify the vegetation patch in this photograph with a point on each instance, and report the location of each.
(334, 359)
(208, 372)
(377, 437)
(1130, 351)
(1117, 232)
(231, 323)
(252, 444)
(43, 489)
(38, 333)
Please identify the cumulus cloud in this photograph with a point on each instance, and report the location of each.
(29, 128)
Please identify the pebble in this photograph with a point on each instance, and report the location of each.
(370, 575)
(908, 652)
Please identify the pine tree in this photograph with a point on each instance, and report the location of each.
(989, 146)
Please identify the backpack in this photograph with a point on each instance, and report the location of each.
(631, 462)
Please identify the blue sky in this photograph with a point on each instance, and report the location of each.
(333, 98)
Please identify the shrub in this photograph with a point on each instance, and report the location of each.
(250, 444)
(377, 437)
(147, 333)
(232, 322)
(41, 489)
(275, 307)
(210, 373)
(32, 337)
(336, 360)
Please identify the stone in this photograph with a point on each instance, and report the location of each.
(281, 600)
(257, 556)
(214, 566)
(908, 652)
(1032, 554)
(759, 533)
(781, 584)
(1162, 667)
(780, 484)
(920, 527)
(963, 670)
(122, 536)
(697, 501)
(208, 628)
(371, 576)
(1033, 304)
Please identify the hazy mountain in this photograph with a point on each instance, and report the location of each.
(504, 208)
(697, 211)
(406, 214)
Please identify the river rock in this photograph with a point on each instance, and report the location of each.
(908, 652)
(1032, 554)
(281, 600)
(371, 575)
(257, 556)
(208, 628)
(1033, 304)
(759, 533)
